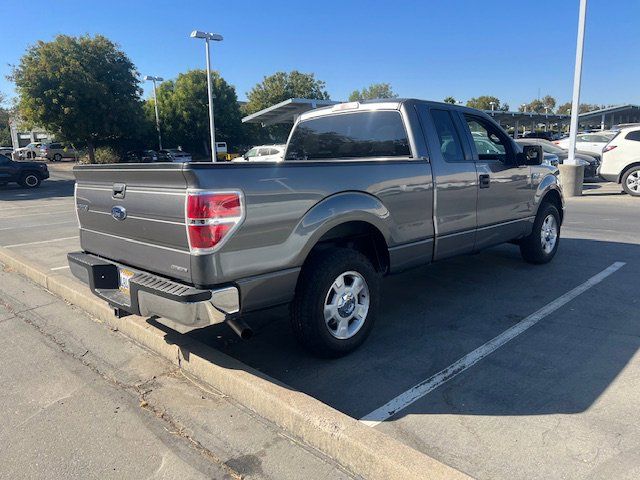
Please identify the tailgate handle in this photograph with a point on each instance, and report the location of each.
(119, 190)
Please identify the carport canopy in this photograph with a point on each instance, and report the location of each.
(611, 116)
(285, 112)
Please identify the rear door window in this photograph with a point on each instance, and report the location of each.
(635, 136)
(448, 136)
(350, 136)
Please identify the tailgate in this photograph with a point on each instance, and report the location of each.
(135, 214)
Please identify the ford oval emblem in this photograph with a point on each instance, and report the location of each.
(119, 213)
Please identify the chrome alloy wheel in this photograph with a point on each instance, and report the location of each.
(633, 181)
(549, 234)
(346, 305)
(31, 180)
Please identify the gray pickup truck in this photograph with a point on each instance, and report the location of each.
(365, 190)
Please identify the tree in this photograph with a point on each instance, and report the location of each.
(5, 130)
(450, 100)
(544, 105)
(565, 108)
(483, 102)
(82, 89)
(275, 89)
(184, 111)
(373, 91)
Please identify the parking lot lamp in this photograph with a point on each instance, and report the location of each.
(155, 102)
(524, 107)
(493, 106)
(217, 38)
(572, 174)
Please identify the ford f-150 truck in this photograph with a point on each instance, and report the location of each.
(365, 189)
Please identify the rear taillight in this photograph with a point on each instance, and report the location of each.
(608, 148)
(211, 218)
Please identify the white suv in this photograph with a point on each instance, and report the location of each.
(263, 153)
(621, 160)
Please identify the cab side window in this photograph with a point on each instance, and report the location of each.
(450, 145)
(490, 142)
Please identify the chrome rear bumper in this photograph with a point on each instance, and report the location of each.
(178, 306)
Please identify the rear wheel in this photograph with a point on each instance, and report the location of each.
(30, 180)
(631, 181)
(542, 244)
(57, 157)
(336, 302)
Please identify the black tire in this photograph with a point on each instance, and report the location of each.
(30, 180)
(629, 184)
(57, 157)
(531, 247)
(315, 285)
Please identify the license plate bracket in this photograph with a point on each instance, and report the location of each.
(124, 276)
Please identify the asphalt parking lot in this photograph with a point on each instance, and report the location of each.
(558, 400)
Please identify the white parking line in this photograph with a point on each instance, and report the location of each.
(38, 225)
(60, 268)
(42, 241)
(418, 391)
(49, 204)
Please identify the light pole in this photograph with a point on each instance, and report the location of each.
(155, 102)
(493, 106)
(572, 174)
(217, 38)
(524, 107)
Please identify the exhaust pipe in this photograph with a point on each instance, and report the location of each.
(241, 329)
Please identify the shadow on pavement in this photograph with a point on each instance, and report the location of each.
(49, 189)
(433, 316)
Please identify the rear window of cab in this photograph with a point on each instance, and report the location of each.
(372, 134)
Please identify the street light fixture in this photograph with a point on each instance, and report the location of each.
(524, 107)
(216, 38)
(493, 106)
(155, 102)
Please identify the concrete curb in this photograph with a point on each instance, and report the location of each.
(360, 449)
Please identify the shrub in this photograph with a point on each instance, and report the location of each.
(103, 155)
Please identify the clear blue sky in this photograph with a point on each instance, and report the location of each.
(427, 49)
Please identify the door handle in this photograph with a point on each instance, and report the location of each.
(484, 180)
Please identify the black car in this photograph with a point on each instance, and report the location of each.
(592, 159)
(141, 156)
(27, 174)
(543, 135)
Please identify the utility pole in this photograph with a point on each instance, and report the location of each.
(212, 129)
(155, 102)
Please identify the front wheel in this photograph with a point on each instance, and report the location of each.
(30, 180)
(542, 244)
(631, 181)
(336, 302)
(57, 157)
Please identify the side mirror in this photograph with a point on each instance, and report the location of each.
(531, 155)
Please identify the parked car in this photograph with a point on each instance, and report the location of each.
(56, 151)
(26, 174)
(365, 189)
(263, 153)
(174, 155)
(539, 134)
(7, 151)
(621, 160)
(591, 162)
(141, 156)
(588, 142)
(29, 151)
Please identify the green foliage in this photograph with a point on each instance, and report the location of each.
(483, 102)
(450, 100)
(82, 89)
(546, 104)
(184, 112)
(5, 130)
(276, 88)
(102, 155)
(373, 91)
(565, 108)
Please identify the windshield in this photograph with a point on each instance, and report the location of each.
(550, 148)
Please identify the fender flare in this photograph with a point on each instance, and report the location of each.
(338, 209)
